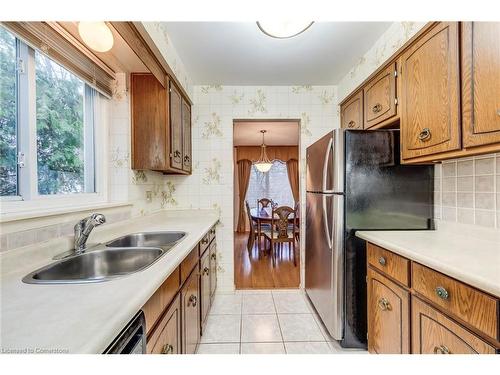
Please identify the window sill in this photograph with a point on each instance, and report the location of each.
(38, 213)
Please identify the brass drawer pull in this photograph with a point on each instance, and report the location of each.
(351, 124)
(425, 134)
(384, 304)
(167, 349)
(187, 159)
(441, 349)
(206, 271)
(192, 300)
(177, 155)
(382, 261)
(204, 241)
(214, 256)
(442, 292)
(377, 108)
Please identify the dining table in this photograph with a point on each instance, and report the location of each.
(264, 216)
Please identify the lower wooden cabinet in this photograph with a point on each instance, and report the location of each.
(388, 316)
(434, 333)
(166, 338)
(190, 297)
(204, 287)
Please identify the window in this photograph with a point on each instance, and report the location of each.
(47, 113)
(273, 184)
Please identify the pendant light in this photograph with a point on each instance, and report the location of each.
(96, 35)
(263, 164)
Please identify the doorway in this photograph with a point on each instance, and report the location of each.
(256, 264)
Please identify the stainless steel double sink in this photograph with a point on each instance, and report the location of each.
(117, 258)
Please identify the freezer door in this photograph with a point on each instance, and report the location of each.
(323, 261)
(319, 163)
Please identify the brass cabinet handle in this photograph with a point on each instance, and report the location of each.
(441, 349)
(377, 108)
(214, 256)
(351, 124)
(192, 300)
(382, 261)
(384, 304)
(204, 241)
(177, 155)
(425, 134)
(442, 292)
(187, 159)
(206, 270)
(167, 349)
(212, 231)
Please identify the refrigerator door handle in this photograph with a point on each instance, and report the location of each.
(325, 164)
(329, 230)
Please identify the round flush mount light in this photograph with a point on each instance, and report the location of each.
(96, 35)
(283, 29)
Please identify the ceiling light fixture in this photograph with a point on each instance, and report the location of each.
(263, 164)
(283, 29)
(96, 35)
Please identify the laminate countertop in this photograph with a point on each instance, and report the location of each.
(86, 318)
(468, 253)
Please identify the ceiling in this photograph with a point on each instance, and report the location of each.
(279, 133)
(238, 53)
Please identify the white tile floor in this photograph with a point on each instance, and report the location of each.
(266, 322)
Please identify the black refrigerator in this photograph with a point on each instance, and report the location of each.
(355, 182)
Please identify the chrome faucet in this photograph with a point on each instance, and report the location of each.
(83, 229)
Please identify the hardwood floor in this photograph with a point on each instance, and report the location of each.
(250, 272)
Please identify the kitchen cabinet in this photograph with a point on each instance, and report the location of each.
(351, 112)
(430, 93)
(480, 83)
(213, 268)
(447, 316)
(379, 97)
(166, 338)
(388, 316)
(190, 297)
(434, 333)
(161, 126)
(204, 287)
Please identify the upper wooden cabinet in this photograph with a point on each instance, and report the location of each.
(430, 93)
(380, 103)
(161, 126)
(480, 83)
(351, 112)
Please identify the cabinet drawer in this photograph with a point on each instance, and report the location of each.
(434, 333)
(189, 263)
(391, 264)
(159, 301)
(468, 304)
(380, 97)
(205, 242)
(388, 316)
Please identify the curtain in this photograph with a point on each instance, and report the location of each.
(244, 168)
(292, 167)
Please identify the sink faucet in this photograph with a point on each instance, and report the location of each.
(83, 229)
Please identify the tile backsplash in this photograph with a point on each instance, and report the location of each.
(468, 190)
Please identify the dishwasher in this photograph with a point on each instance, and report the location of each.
(132, 339)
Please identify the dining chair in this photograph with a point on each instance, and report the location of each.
(254, 232)
(264, 202)
(281, 231)
(296, 216)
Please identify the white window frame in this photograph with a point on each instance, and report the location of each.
(28, 198)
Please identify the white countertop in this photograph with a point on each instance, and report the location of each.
(467, 253)
(85, 318)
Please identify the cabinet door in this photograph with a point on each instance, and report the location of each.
(435, 333)
(149, 114)
(430, 93)
(388, 316)
(205, 287)
(352, 112)
(191, 313)
(186, 136)
(166, 338)
(380, 97)
(481, 83)
(175, 127)
(213, 268)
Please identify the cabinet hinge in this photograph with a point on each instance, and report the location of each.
(395, 73)
(396, 101)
